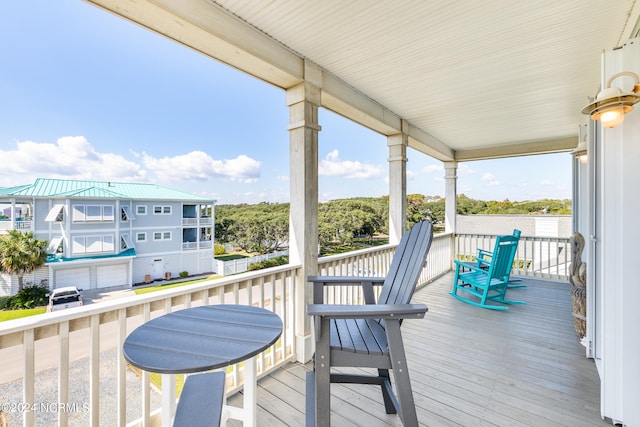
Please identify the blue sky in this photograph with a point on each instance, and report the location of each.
(87, 95)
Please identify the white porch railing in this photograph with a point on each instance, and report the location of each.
(32, 346)
(543, 257)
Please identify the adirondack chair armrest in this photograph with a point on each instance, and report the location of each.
(374, 311)
(367, 283)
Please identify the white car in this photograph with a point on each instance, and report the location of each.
(62, 298)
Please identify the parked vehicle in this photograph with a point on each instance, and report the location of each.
(62, 298)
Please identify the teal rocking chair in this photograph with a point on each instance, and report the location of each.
(483, 260)
(480, 286)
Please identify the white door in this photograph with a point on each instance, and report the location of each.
(73, 277)
(111, 275)
(158, 269)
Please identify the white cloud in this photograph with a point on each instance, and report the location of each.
(199, 166)
(332, 165)
(464, 169)
(490, 179)
(547, 183)
(71, 157)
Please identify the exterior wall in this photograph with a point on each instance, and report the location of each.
(617, 292)
(529, 225)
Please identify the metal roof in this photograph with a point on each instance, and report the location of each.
(467, 79)
(74, 189)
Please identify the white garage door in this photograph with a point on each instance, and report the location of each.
(73, 277)
(112, 275)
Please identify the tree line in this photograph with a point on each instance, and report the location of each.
(264, 227)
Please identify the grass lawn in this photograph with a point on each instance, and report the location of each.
(231, 257)
(16, 314)
(163, 286)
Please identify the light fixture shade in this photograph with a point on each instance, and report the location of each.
(612, 103)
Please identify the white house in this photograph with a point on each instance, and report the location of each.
(105, 234)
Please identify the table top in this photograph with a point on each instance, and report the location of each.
(202, 338)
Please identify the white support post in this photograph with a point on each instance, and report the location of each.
(303, 101)
(450, 191)
(397, 184)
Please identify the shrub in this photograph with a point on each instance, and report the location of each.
(184, 274)
(29, 297)
(4, 302)
(219, 250)
(273, 262)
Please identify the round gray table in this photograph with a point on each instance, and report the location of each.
(201, 339)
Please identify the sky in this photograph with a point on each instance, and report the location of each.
(87, 95)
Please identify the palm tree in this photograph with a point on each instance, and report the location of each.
(21, 253)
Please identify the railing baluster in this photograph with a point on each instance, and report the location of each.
(28, 388)
(94, 371)
(121, 366)
(63, 372)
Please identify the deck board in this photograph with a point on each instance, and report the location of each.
(469, 367)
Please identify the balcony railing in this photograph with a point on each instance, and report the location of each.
(197, 221)
(543, 257)
(5, 226)
(58, 340)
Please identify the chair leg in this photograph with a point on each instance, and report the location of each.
(387, 392)
(322, 395)
(407, 408)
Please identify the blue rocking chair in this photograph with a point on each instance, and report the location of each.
(483, 260)
(480, 286)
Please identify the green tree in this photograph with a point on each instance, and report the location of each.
(21, 253)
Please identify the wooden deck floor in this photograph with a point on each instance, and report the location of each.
(469, 367)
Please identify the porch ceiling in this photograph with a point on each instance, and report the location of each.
(472, 79)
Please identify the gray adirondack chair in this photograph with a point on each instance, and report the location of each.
(368, 335)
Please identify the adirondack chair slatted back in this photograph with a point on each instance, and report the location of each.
(407, 263)
(504, 253)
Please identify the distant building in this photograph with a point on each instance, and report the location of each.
(105, 234)
(529, 225)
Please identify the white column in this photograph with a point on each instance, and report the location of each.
(397, 185)
(303, 101)
(450, 194)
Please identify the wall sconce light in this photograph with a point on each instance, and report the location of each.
(612, 103)
(580, 152)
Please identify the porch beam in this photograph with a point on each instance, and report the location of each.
(560, 145)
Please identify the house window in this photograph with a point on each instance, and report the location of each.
(125, 214)
(55, 245)
(141, 210)
(141, 237)
(162, 210)
(162, 235)
(92, 244)
(92, 213)
(126, 242)
(56, 214)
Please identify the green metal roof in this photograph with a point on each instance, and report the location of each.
(66, 188)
